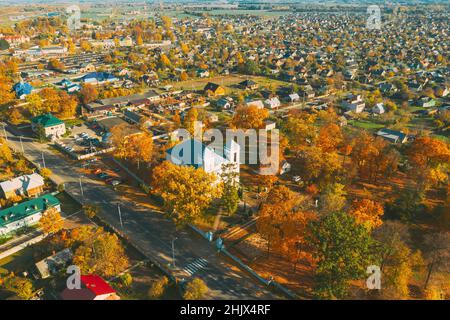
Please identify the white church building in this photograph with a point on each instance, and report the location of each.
(193, 152)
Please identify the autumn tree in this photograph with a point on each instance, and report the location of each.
(187, 192)
(120, 138)
(398, 262)
(329, 138)
(300, 130)
(283, 224)
(88, 93)
(333, 198)
(140, 148)
(373, 157)
(196, 289)
(100, 253)
(45, 173)
(249, 117)
(343, 252)
(15, 116)
(35, 104)
(189, 120)
(367, 212)
(6, 155)
(318, 166)
(22, 287)
(91, 210)
(51, 221)
(437, 254)
(158, 288)
(430, 160)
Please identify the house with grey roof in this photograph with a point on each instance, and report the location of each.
(29, 185)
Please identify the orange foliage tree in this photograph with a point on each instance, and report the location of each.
(284, 225)
(430, 160)
(367, 212)
(373, 157)
(249, 117)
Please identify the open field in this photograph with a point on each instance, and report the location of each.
(228, 82)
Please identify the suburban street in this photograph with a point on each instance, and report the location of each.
(149, 231)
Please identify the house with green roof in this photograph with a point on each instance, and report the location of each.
(26, 213)
(52, 126)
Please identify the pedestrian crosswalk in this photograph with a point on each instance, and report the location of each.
(195, 266)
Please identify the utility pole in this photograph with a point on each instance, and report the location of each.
(120, 215)
(43, 160)
(173, 251)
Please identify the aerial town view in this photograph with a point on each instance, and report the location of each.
(224, 151)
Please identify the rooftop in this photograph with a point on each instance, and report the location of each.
(27, 208)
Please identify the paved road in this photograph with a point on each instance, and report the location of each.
(149, 231)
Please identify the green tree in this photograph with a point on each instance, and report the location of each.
(4, 45)
(126, 279)
(230, 195)
(343, 252)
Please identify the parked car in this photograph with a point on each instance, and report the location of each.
(115, 182)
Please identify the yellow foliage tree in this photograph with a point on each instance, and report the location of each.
(186, 191)
(51, 221)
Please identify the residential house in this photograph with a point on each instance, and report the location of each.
(22, 89)
(307, 92)
(26, 213)
(202, 73)
(257, 103)
(87, 67)
(30, 185)
(269, 125)
(99, 78)
(294, 97)
(378, 108)
(213, 89)
(93, 287)
(426, 102)
(392, 135)
(224, 103)
(53, 127)
(272, 103)
(52, 264)
(248, 85)
(354, 103)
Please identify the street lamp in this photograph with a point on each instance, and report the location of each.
(173, 251)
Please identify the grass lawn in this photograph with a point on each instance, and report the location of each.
(68, 204)
(73, 122)
(366, 124)
(442, 137)
(17, 262)
(228, 82)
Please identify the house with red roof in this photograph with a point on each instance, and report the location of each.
(93, 287)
